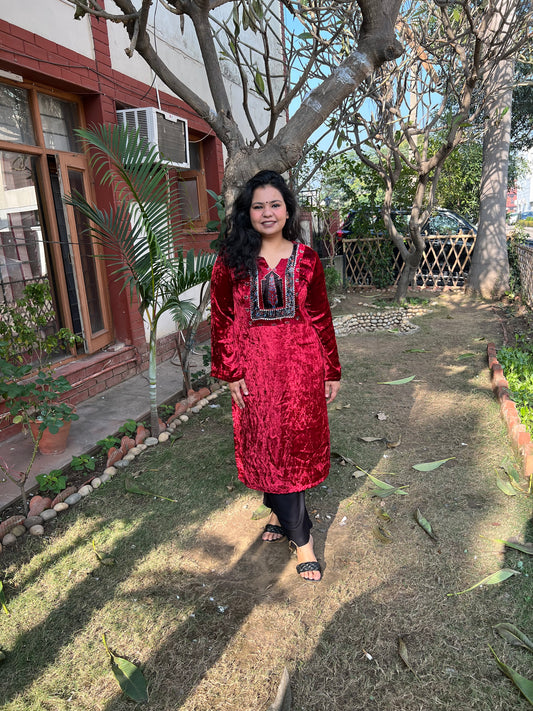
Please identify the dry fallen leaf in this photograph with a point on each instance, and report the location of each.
(382, 534)
(393, 444)
(402, 651)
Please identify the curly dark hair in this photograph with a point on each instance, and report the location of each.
(242, 244)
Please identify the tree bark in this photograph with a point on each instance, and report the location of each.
(489, 273)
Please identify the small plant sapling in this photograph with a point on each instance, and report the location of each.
(55, 481)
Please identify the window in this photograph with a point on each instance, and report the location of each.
(15, 116)
(192, 194)
(40, 237)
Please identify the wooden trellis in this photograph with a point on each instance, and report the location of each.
(374, 261)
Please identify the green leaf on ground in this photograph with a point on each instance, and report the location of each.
(463, 356)
(383, 493)
(133, 488)
(129, 677)
(522, 547)
(3, 600)
(424, 524)
(380, 484)
(505, 486)
(261, 512)
(104, 559)
(402, 381)
(430, 466)
(384, 489)
(513, 635)
(370, 439)
(524, 685)
(497, 577)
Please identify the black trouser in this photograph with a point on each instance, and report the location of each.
(292, 514)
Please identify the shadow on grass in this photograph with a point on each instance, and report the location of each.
(406, 598)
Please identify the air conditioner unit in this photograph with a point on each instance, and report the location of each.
(168, 133)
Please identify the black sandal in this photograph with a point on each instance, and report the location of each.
(271, 528)
(307, 567)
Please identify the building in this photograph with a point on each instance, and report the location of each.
(57, 74)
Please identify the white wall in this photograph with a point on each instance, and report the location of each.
(51, 19)
(182, 54)
(524, 193)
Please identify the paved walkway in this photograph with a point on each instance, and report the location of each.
(99, 417)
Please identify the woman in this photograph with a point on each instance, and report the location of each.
(273, 341)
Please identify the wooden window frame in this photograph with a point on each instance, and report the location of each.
(93, 341)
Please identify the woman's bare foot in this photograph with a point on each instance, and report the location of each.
(306, 554)
(270, 536)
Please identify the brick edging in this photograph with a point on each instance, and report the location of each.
(520, 437)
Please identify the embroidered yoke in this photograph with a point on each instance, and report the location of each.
(274, 329)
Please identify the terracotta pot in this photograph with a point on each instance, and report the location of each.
(52, 443)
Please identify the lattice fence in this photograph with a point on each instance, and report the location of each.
(374, 261)
(525, 262)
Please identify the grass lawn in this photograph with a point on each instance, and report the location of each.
(212, 616)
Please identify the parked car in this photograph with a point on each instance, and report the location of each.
(446, 261)
(441, 222)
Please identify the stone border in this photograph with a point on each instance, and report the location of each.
(43, 509)
(386, 318)
(520, 437)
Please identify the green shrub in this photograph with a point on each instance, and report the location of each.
(517, 363)
(333, 279)
(83, 463)
(55, 481)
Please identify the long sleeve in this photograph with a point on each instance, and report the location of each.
(225, 361)
(317, 306)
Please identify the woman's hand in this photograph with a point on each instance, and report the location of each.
(238, 389)
(332, 388)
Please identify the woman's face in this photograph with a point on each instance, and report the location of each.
(268, 212)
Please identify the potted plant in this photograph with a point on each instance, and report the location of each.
(29, 388)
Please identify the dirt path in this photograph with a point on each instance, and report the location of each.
(372, 592)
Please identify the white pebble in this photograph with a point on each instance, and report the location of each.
(184, 418)
(135, 451)
(104, 477)
(37, 530)
(61, 506)
(8, 539)
(95, 483)
(150, 441)
(18, 530)
(203, 402)
(164, 437)
(129, 457)
(85, 490)
(196, 409)
(111, 471)
(142, 446)
(73, 499)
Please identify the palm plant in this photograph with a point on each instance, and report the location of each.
(142, 234)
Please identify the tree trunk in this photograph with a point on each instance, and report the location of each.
(489, 272)
(152, 379)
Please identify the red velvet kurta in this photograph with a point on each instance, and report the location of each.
(274, 329)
